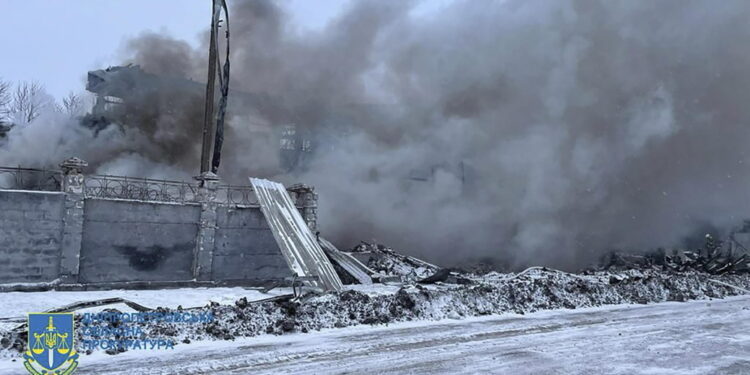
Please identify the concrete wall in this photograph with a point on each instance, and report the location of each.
(79, 237)
(31, 225)
(137, 241)
(245, 248)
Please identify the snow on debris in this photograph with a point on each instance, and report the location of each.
(529, 291)
(388, 262)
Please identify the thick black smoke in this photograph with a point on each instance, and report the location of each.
(529, 131)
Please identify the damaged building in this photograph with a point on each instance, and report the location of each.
(128, 95)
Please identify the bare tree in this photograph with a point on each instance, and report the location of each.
(27, 102)
(72, 104)
(4, 100)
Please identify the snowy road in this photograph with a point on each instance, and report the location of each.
(700, 337)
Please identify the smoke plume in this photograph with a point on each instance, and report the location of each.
(527, 131)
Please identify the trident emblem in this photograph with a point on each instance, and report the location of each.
(51, 348)
(50, 339)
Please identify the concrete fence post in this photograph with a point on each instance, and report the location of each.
(72, 186)
(307, 203)
(205, 242)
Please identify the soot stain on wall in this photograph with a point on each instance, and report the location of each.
(149, 258)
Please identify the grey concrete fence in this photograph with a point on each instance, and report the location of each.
(66, 229)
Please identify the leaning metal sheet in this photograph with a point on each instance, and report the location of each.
(297, 243)
(358, 270)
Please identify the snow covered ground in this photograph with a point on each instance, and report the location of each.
(698, 337)
(18, 304)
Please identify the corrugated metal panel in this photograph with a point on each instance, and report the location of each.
(355, 268)
(296, 241)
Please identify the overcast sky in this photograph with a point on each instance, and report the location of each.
(56, 42)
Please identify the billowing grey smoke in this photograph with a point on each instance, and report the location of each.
(529, 131)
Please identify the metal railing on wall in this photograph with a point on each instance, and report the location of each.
(141, 189)
(30, 179)
(236, 195)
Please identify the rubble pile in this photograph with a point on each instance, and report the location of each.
(714, 258)
(386, 261)
(430, 293)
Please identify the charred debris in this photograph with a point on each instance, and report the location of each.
(369, 263)
(413, 289)
(716, 257)
(384, 265)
